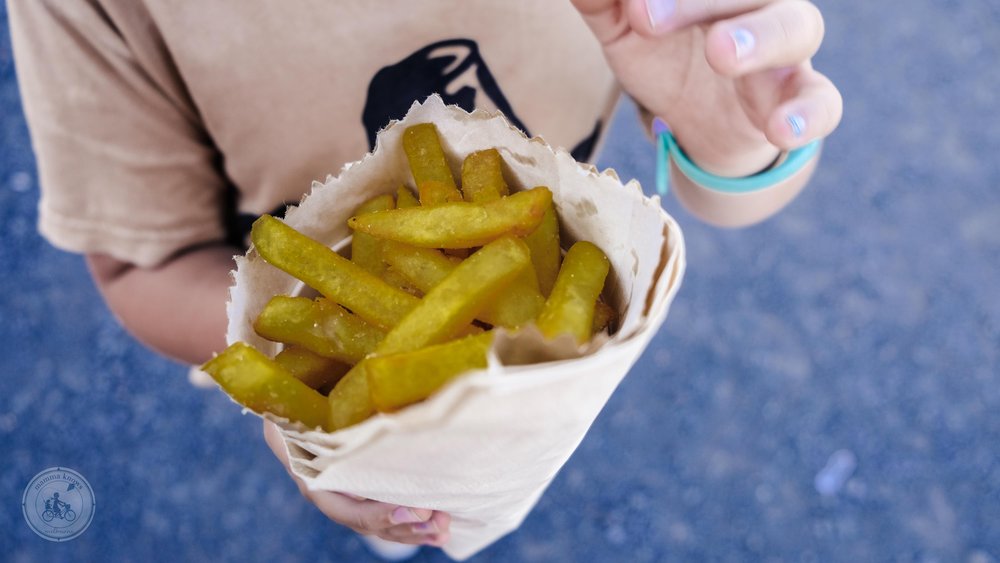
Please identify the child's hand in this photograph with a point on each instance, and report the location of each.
(732, 78)
(394, 523)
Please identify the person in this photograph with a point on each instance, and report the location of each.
(163, 129)
(56, 506)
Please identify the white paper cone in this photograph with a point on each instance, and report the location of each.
(486, 446)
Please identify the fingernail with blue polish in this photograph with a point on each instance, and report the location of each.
(660, 126)
(797, 124)
(744, 42)
(659, 11)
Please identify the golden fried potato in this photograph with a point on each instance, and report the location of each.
(366, 250)
(570, 307)
(545, 251)
(458, 298)
(482, 177)
(433, 192)
(604, 315)
(312, 369)
(320, 326)
(397, 380)
(405, 198)
(458, 225)
(350, 401)
(344, 282)
(260, 384)
(424, 268)
(426, 157)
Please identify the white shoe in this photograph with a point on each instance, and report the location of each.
(390, 550)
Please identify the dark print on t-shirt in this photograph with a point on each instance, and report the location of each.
(453, 69)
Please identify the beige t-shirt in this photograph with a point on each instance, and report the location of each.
(160, 124)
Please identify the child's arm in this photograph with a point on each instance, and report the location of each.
(177, 308)
(732, 79)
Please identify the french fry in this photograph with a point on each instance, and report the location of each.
(350, 401)
(260, 384)
(421, 267)
(570, 307)
(395, 279)
(312, 369)
(603, 316)
(329, 273)
(366, 250)
(320, 326)
(459, 297)
(397, 380)
(426, 157)
(516, 306)
(433, 192)
(545, 251)
(458, 225)
(405, 198)
(482, 177)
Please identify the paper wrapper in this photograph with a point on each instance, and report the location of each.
(486, 446)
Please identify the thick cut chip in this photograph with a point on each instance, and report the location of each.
(433, 192)
(350, 401)
(421, 267)
(518, 305)
(366, 250)
(604, 315)
(405, 198)
(329, 273)
(459, 297)
(260, 384)
(395, 279)
(320, 326)
(545, 251)
(309, 368)
(570, 308)
(425, 155)
(482, 177)
(398, 380)
(458, 225)
(515, 306)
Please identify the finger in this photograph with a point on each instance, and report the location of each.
(606, 18)
(366, 516)
(438, 523)
(402, 535)
(435, 531)
(810, 109)
(782, 34)
(658, 17)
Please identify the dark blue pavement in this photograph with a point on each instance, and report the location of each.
(861, 325)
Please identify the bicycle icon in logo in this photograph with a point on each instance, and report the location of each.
(54, 509)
